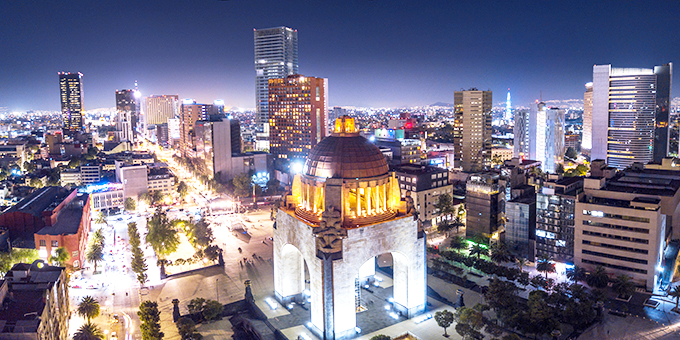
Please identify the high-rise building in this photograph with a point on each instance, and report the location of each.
(127, 109)
(546, 136)
(191, 112)
(71, 93)
(555, 209)
(630, 114)
(160, 108)
(522, 135)
(481, 199)
(477, 142)
(214, 144)
(276, 56)
(587, 132)
(508, 108)
(297, 115)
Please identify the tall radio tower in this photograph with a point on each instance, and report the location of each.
(508, 108)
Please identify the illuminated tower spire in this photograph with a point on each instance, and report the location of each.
(508, 108)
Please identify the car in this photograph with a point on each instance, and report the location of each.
(119, 219)
(114, 336)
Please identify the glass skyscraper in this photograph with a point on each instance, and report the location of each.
(276, 56)
(71, 95)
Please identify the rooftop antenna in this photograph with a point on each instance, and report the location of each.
(540, 96)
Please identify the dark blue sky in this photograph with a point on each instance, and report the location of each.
(374, 52)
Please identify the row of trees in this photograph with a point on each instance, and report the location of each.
(149, 315)
(138, 264)
(89, 309)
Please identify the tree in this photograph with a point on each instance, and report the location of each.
(150, 321)
(380, 337)
(598, 278)
(133, 235)
(212, 252)
(675, 293)
(576, 274)
(559, 169)
(500, 253)
(541, 317)
(130, 204)
(212, 310)
(88, 331)
(571, 153)
(88, 308)
(157, 197)
(521, 263)
(60, 256)
(458, 223)
(458, 243)
(17, 255)
(444, 319)
(196, 305)
(468, 333)
(101, 218)
(478, 250)
(74, 162)
(36, 182)
(200, 234)
(444, 205)
(94, 254)
(242, 184)
(545, 265)
(182, 190)
(187, 329)
(623, 285)
(445, 227)
(162, 236)
(146, 198)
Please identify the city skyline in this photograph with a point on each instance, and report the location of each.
(374, 53)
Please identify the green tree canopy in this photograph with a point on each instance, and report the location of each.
(88, 308)
(162, 236)
(130, 204)
(60, 257)
(598, 278)
(444, 205)
(571, 153)
(150, 321)
(88, 331)
(444, 318)
(545, 265)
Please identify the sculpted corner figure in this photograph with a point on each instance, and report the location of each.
(329, 233)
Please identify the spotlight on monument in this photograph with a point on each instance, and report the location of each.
(271, 303)
(357, 329)
(390, 300)
(388, 307)
(394, 316)
(296, 167)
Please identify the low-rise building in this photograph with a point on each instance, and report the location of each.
(35, 303)
(69, 231)
(107, 197)
(160, 179)
(35, 211)
(90, 173)
(70, 177)
(482, 203)
(425, 184)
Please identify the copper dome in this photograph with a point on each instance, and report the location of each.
(348, 156)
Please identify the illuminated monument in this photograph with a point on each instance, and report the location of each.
(345, 209)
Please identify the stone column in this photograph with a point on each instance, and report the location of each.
(368, 200)
(358, 194)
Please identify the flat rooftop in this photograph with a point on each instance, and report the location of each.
(648, 181)
(68, 221)
(40, 200)
(418, 169)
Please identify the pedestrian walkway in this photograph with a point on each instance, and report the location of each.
(630, 328)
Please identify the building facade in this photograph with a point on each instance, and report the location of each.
(482, 202)
(546, 140)
(625, 236)
(298, 106)
(522, 135)
(555, 214)
(630, 116)
(520, 228)
(160, 108)
(71, 95)
(476, 142)
(276, 56)
(128, 112)
(424, 184)
(587, 131)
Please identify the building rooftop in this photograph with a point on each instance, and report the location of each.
(648, 181)
(40, 200)
(418, 169)
(68, 221)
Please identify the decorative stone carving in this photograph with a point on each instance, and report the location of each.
(329, 233)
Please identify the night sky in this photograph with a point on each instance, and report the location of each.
(374, 52)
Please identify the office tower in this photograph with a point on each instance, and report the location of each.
(276, 56)
(587, 132)
(481, 200)
(520, 228)
(546, 130)
(160, 108)
(191, 112)
(508, 108)
(476, 112)
(458, 135)
(630, 114)
(297, 116)
(555, 210)
(522, 136)
(127, 109)
(71, 92)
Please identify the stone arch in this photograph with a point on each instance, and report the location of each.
(293, 283)
(400, 276)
